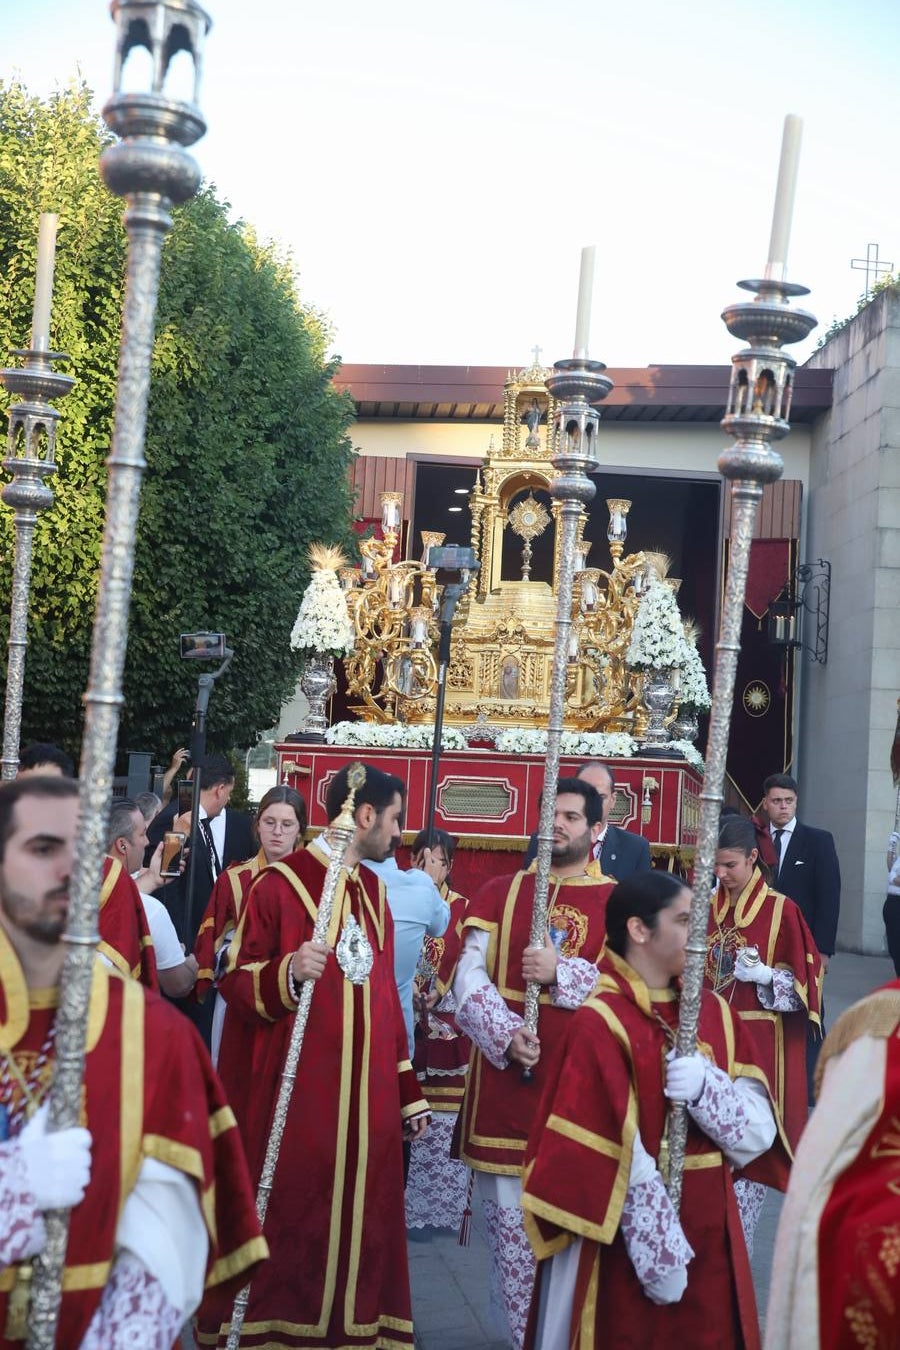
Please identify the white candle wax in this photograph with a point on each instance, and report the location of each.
(43, 285)
(784, 196)
(585, 297)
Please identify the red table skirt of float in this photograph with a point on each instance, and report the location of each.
(489, 800)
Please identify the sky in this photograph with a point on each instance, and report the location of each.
(433, 171)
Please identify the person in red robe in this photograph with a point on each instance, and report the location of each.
(836, 1272)
(618, 1267)
(762, 958)
(494, 966)
(437, 1185)
(280, 825)
(155, 1172)
(125, 939)
(338, 1274)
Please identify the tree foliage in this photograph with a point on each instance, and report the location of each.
(247, 445)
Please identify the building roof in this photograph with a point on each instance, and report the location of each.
(645, 394)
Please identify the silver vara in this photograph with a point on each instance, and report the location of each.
(354, 952)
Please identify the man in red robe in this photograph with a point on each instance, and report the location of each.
(125, 939)
(494, 965)
(162, 1200)
(335, 1220)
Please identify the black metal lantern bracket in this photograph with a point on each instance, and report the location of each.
(808, 591)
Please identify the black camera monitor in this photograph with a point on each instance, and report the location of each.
(203, 646)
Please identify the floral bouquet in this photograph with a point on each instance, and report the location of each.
(657, 638)
(323, 624)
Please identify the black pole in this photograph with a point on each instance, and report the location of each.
(453, 593)
(205, 685)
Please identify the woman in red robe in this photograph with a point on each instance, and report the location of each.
(762, 958)
(280, 825)
(618, 1267)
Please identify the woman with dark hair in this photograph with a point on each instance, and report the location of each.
(437, 1184)
(617, 1265)
(279, 826)
(763, 959)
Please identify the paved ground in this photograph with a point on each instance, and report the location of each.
(450, 1283)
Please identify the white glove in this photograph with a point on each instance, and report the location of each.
(58, 1165)
(685, 1076)
(667, 1288)
(759, 973)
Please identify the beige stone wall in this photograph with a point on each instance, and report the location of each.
(848, 707)
(667, 446)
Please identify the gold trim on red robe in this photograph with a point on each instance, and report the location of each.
(125, 938)
(766, 919)
(498, 1107)
(149, 1092)
(335, 1220)
(607, 1086)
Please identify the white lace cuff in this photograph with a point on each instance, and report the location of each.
(22, 1232)
(575, 980)
(133, 1311)
(720, 1110)
(485, 1019)
(780, 995)
(653, 1237)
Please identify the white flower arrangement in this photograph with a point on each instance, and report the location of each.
(694, 689)
(593, 744)
(393, 736)
(690, 753)
(657, 638)
(323, 622)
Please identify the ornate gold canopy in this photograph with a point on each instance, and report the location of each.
(503, 637)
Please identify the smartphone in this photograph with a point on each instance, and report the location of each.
(185, 795)
(173, 853)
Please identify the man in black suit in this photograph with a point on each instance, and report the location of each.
(809, 873)
(808, 870)
(619, 852)
(225, 837)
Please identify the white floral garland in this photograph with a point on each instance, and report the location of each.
(657, 638)
(690, 753)
(390, 736)
(323, 622)
(596, 744)
(694, 689)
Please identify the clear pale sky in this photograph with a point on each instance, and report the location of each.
(434, 170)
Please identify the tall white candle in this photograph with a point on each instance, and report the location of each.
(43, 285)
(784, 197)
(585, 298)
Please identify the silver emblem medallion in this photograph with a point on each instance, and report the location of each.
(354, 952)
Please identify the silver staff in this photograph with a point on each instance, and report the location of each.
(148, 167)
(31, 458)
(340, 832)
(578, 384)
(759, 404)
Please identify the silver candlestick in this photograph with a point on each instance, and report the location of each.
(579, 385)
(759, 405)
(151, 170)
(31, 458)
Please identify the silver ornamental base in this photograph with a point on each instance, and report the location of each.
(318, 684)
(658, 696)
(686, 726)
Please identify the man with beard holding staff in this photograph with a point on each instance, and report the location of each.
(495, 964)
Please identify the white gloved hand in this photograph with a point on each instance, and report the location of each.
(685, 1075)
(759, 973)
(57, 1165)
(667, 1288)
